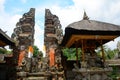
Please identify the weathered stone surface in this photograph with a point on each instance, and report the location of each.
(24, 31)
(52, 38)
(23, 35)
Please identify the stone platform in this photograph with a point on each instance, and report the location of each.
(92, 73)
(40, 76)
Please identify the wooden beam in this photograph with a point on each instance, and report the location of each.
(97, 37)
(86, 37)
(70, 41)
(76, 52)
(83, 54)
(103, 54)
(2, 43)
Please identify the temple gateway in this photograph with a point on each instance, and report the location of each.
(85, 34)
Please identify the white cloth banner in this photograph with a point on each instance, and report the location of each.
(30, 55)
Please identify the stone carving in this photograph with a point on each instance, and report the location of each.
(93, 68)
(23, 35)
(25, 26)
(92, 60)
(52, 27)
(52, 38)
(76, 67)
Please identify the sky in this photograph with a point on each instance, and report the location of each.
(68, 11)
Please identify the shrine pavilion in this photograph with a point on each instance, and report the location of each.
(6, 63)
(89, 35)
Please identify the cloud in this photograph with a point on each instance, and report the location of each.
(67, 15)
(73, 13)
(92, 4)
(101, 10)
(7, 21)
(38, 36)
(2, 5)
(113, 44)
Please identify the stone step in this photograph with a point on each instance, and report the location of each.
(35, 78)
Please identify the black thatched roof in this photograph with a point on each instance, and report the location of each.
(90, 27)
(5, 39)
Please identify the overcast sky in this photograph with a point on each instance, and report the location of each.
(68, 11)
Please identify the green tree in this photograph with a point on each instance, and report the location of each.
(70, 53)
(36, 51)
(109, 53)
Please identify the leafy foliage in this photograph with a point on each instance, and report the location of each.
(109, 53)
(36, 51)
(70, 53)
(115, 74)
(4, 51)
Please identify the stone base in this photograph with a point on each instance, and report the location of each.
(92, 74)
(41, 76)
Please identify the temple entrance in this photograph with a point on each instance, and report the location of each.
(85, 35)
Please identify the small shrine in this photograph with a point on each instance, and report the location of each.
(88, 35)
(6, 60)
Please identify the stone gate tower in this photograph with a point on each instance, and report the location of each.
(23, 33)
(52, 38)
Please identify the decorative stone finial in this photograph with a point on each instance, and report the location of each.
(85, 17)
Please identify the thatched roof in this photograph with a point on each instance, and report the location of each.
(90, 27)
(5, 39)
